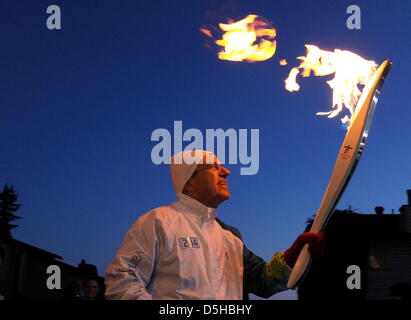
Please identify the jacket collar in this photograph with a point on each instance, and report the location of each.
(197, 207)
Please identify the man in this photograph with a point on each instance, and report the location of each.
(91, 288)
(183, 251)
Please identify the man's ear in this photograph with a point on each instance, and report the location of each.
(189, 187)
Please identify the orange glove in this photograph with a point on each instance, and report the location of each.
(316, 246)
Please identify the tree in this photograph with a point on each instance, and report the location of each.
(8, 206)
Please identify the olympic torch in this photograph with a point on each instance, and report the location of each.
(347, 160)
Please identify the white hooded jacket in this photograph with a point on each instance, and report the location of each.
(199, 259)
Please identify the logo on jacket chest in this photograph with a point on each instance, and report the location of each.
(189, 242)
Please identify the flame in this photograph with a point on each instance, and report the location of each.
(349, 69)
(246, 40)
(291, 82)
(206, 32)
(283, 62)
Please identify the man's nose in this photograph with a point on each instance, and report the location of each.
(224, 172)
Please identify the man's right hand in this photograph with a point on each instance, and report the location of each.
(316, 246)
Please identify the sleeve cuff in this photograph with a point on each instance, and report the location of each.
(277, 268)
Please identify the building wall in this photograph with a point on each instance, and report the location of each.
(23, 272)
(33, 277)
(378, 244)
(391, 264)
(7, 269)
(406, 218)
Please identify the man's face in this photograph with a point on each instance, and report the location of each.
(91, 289)
(208, 184)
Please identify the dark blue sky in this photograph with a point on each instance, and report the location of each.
(78, 107)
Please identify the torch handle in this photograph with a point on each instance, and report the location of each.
(302, 263)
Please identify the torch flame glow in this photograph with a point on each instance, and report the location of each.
(350, 70)
(291, 82)
(249, 39)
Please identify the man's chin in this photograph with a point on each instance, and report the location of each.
(225, 196)
(221, 197)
